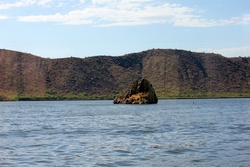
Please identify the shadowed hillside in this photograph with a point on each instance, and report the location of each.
(173, 73)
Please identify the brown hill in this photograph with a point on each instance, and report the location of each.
(173, 73)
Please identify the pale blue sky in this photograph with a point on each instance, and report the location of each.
(82, 28)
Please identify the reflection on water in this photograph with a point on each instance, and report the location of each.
(204, 132)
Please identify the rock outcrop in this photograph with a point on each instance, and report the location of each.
(140, 92)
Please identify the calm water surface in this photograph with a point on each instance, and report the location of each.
(204, 132)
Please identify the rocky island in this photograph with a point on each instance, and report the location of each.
(140, 91)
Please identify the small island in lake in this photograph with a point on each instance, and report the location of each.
(139, 92)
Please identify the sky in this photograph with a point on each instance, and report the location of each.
(83, 28)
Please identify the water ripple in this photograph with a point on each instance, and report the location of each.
(207, 132)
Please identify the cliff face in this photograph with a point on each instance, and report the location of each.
(172, 72)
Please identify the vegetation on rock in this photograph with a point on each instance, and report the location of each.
(139, 92)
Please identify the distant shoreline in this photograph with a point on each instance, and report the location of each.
(173, 73)
(75, 98)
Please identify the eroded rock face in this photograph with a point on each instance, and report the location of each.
(139, 92)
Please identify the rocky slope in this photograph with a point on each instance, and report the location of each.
(173, 73)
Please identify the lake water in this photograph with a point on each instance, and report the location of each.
(197, 132)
